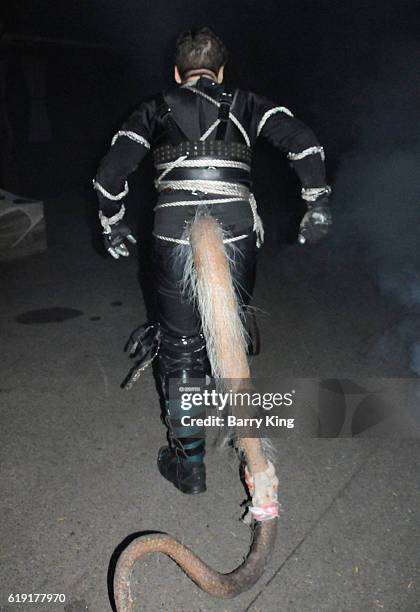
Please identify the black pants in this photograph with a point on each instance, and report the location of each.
(175, 314)
(182, 354)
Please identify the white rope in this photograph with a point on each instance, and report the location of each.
(210, 130)
(183, 241)
(107, 222)
(131, 136)
(196, 202)
(108, 195)
(173, 164)
(306, 152)
(311, 194)
(216, 187)
(270, 113)
(202, 94)
(210, 162)
(240, 128)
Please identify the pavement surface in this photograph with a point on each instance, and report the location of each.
(78, 454)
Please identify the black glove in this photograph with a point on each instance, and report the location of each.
(114, 239)
(316, 224)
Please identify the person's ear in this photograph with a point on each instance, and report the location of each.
(220, 74)
(177, 76)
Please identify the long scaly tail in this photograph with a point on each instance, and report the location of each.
(211, 284)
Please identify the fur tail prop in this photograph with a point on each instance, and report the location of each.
(209, 281)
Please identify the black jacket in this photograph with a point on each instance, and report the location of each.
(256, 117)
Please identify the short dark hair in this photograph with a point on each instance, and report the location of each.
(200, 49)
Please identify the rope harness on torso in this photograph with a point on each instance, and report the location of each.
(235, 190)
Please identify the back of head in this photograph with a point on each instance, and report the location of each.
(199, 50)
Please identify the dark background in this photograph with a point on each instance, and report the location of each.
(346, 68)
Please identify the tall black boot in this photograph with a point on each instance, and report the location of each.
(181, 360)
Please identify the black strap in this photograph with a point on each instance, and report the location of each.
(225, 100)
(174, 132)
(190, 452)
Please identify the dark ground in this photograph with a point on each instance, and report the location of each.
(78, 453)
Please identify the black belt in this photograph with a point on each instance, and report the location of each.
(235, 151)
(231, 175)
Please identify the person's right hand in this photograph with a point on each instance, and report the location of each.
(115, 237)
(315, 225)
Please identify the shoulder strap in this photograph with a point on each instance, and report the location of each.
(226, 102)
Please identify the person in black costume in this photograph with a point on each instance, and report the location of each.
(201, 137)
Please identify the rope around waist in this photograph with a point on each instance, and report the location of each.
(185, 241)
(236, 191)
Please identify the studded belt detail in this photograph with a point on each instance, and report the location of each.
(218, 148)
